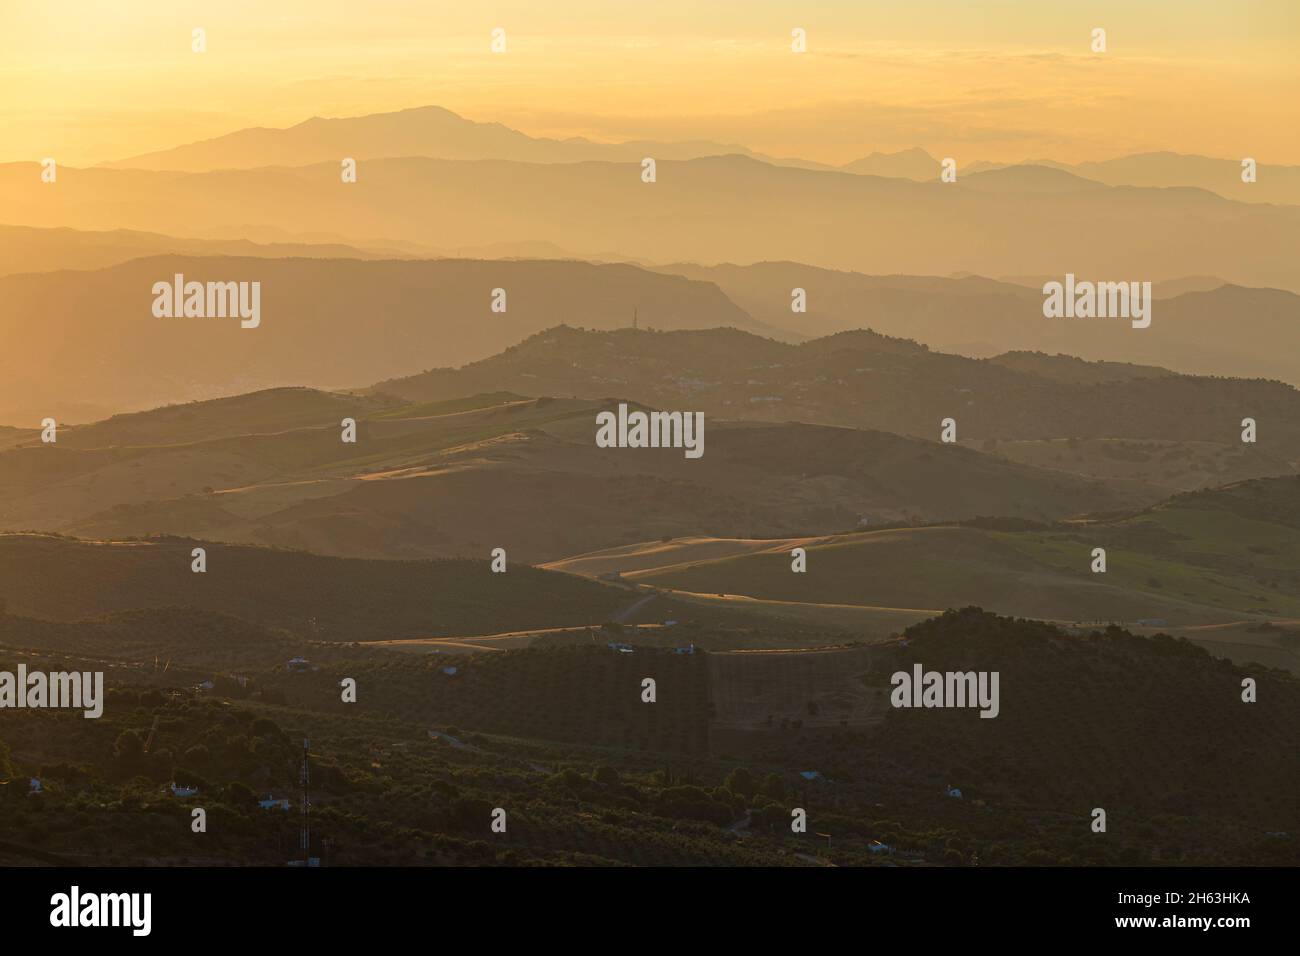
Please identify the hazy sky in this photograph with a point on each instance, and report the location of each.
(86, 81)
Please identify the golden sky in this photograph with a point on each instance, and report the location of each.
(87, 81)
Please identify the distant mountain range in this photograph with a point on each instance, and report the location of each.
(1019, 221)
(330, 322)
(347, 322)
(434, 132)
(1273, 183)
(905, 164)
(1199, 325)
(429, 131)
(28, 249)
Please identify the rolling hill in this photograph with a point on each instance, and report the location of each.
(865, 380)
(1073, 709)
(320, 598)
(1220, 565)
(461, 476)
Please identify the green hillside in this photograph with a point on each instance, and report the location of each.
(1203, 558)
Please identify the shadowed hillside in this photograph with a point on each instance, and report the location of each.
(705, 775)
(865, 380)
(461, 476)
(332, 599)
(1093, 721)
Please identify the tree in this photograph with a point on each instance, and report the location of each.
(129, 747)
(152, 699)
(606, 775)
(774, 787)
(740, 782)
(185, 777)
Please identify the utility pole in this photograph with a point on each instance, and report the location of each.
(306, 806)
